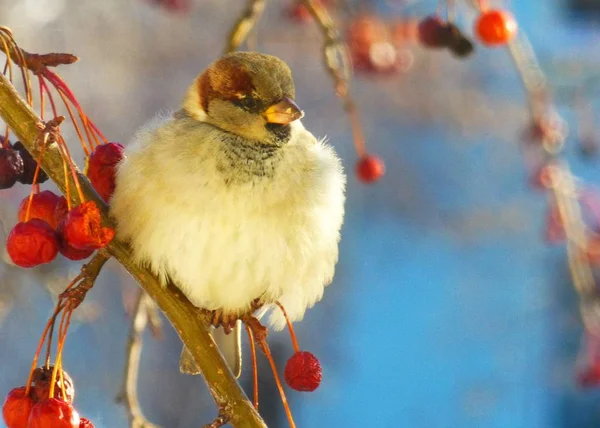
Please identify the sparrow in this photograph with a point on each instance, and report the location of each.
(231, 198)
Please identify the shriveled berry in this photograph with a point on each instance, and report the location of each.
(495, 27)
(82, 228)
(53, 413)
(31, 244)
(101, 168)
(370, 169)
(17, 408)
(85, 423)
(43, 205)
(458, 44)
(433, 32)
(303, 372)
(29, 166)
(68, 251)
(41, 385)
(11, 167)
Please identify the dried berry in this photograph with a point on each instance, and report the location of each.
(495, 27)
(32, 243)
(85, 423)
(17, 408)
(303, 372)
(43, 206)
(11, 167)
(41, 385)
(53, 413)
(29, 166)
(458, 44)
(370, 169)
(433, 32)
(82, 228)
(101, 168)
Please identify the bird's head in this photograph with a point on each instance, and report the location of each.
(248, 94)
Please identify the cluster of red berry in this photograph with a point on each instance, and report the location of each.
(44, 403)
(48, 225)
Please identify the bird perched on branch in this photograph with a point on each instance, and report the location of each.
(232, 198)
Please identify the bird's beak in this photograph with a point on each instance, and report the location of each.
(283, 112)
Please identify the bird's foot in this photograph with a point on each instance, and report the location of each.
(227, 320)
(259, 331)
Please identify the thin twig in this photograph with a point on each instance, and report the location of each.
(339, 67)
(563, 188)
(245, 23)
(219, 421)
(37, 63)
(128, 395)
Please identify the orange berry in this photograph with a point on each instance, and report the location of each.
(495, 27)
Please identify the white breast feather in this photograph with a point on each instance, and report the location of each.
(225, 245)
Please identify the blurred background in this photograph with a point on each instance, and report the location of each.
(448, 308)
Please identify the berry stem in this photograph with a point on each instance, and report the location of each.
(62, 86)
(286, 406)
(49, 324)
(42, 98)
(359, 138)
(67, 156)
(50, 97)
(35, 177)
(84, 146)
(62, 333)
(49, 345)
(254, 365)
(290, 328)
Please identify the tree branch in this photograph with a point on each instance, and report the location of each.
(245, 24)
(128, 395)
(189, 322)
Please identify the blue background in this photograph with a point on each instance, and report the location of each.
(447, 310)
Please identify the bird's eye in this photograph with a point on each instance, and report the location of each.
(248, 102)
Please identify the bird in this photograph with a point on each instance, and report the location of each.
(231, 198)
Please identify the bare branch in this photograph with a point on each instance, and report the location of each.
(128, 395)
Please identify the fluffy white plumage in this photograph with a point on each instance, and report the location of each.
(224, 237)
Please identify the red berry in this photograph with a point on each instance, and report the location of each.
(82, 228)
(29, 166)
(68, 251)
(32, 243)
(370, 169)
(43, 205)
(41, 385)
(101, 168)
(433, 32)
(85, 423)
(11, 167)
(53, 413)
(495, 27)
(303, 372)
(17, 408)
